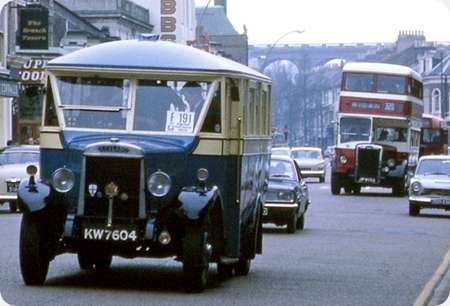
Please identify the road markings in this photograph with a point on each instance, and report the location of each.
(428, 290)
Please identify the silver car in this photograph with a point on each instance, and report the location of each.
(430, 186)
(13, 163)
(310, 161)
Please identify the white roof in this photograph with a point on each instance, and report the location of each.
(306, 149)
(435, 157)
(380, 68)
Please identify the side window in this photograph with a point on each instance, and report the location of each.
(251, 112)
(50, 112)
(212, 123)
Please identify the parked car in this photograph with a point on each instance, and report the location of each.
(287, 197)
(430, 185)
(311, 162)
(13, 163)
(285, 151)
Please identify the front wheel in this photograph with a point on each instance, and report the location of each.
(292, 224)
(414, 209)
(196, 253)
(335, 187)
(242, 267)
(301, 222)
(34, 257)
(13, 206)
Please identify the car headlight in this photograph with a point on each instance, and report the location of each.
(416, 188)
(287, 196)
(343, 159)
(63, 180)
(159, 184)
(391, 163)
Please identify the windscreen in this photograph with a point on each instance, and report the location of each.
(306, 154)
(94, 102)
(281, 169)
(434, 167)
(354, 129)
(19, 158)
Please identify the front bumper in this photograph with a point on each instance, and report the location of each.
(278, 213)
(313, 173)
(439, 202)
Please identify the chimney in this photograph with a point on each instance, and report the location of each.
(222, 3)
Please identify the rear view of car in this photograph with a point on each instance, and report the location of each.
(13, 163)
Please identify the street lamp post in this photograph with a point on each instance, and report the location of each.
(275, 43)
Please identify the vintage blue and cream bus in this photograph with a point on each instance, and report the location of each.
(148, 149)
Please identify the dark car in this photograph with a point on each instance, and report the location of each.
(287, 197)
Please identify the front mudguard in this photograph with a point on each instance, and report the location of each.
(32, 197)
(399, 171)
(194, 202)
(38, 196)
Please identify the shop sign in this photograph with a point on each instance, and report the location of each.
(9, 88)
(32, 72)
(33, 28)
(168, 19)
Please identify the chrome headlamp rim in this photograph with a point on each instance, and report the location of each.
(391, 163)
(159, 184)
(343, 159)
(63, 180)
(416, 188)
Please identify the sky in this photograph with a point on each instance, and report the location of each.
(337, 21)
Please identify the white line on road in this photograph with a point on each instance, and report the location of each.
(427, 291)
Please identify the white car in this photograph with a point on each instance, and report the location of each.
(311, 162)
(430, 186)
(13, 163)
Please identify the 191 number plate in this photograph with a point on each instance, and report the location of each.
(90, 233)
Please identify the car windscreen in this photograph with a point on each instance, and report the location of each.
(434, 167)
(18, 158)
(306, 154)
(281, 169)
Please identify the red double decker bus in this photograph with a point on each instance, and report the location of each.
(379, 121)
(433, 136)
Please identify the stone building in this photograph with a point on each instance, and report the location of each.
(122, 19)
(216, 34)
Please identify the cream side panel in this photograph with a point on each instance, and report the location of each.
(209, 147)
(49, 139)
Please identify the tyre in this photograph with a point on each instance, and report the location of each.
(292, 224)
(414, 209)
(94, 261)
(225, 270)
(242, 267)
(398, 190)
(13, 206)
(196, 253)
(34, 257)
(335, 187)
(301, 222)
(322, 179)
(356, 189)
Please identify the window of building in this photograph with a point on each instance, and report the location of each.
(436, 101)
